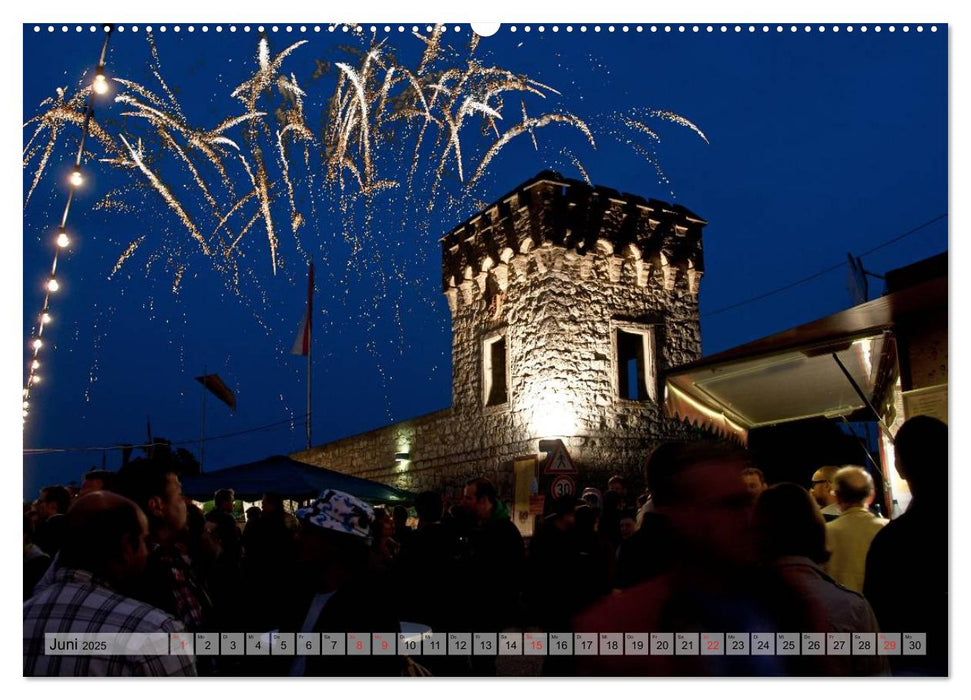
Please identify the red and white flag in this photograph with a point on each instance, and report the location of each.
(301, 346)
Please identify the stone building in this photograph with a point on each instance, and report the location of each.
(567, 301)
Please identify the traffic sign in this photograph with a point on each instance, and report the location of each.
(558, 459)
(563, 486)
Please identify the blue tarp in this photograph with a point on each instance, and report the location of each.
(291, 479)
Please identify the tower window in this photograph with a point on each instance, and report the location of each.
(494, 371)
(636, 375)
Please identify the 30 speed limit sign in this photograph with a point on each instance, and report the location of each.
(562, 486)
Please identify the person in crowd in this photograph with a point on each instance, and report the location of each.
(627, 527)
(906, 577)
(384, 548)
(402, 532)
(711, 580)
(823, 493)
(271, 556)
(36, 560)
(491, 568)
(169, 581)
(103, 554)
(253, 514)
(337, 590)
(791, 535)
(598, 561)
(97, 480)
(592, 497)
(226, 530)
(618, 484)
(848, 537)
(51, 505)
(609, 521)
(754, 481)
(553, 567)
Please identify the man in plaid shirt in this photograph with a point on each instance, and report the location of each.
(104, 553)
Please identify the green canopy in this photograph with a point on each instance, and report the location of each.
(290, 479)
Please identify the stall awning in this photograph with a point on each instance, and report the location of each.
(797, 374)
(291, 479)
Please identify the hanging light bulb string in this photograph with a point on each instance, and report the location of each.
(99, 86)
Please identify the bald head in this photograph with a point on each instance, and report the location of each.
(822, 486)
(853, 487)
(106, 536)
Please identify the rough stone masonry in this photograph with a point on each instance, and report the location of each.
(567, 301)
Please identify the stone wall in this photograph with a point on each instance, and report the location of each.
(555, 267)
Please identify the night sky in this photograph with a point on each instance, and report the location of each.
(819, 144)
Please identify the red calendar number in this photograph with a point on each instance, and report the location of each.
(889, 645)
(712, 645)
(537, 644)
(360, 645)
(384, 646)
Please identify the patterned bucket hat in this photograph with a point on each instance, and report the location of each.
(340, 512)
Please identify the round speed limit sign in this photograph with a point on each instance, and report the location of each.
(563, 485)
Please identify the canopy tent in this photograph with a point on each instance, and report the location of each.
(803, 372)
(291, 479)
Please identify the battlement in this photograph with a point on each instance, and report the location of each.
(550, 210)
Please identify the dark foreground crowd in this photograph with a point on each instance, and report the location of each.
(709, 547)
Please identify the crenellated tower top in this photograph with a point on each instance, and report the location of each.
(550, 210)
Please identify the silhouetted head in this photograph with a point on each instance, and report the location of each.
(754, 481)
(429, 506)
(617, 484)
(788, 523)
(400, 516)
(97, 480)
(698, 488)
(106, 535)
(822, 486)
(53, 500)
(153, 484)
(853, 487)
(479, 498)
(921, 452)
(223, 499)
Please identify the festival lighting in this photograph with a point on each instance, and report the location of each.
(99, 87)
(100, 84)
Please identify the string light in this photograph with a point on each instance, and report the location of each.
(99, 86)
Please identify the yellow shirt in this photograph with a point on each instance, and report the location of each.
(848, 539)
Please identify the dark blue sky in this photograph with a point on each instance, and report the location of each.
(820, 144)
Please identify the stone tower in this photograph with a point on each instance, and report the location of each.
(566, 301)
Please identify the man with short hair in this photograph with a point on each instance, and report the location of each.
(822, 492)
(618, 484)
(848, 537)
(169, 581)
(754, 481)
(226, 530)
(97, 480)
(51, 506)
(102, 555)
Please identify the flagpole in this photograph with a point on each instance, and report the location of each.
(202, 437)
(310, 349)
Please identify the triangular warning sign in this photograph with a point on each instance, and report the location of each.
(559, 462)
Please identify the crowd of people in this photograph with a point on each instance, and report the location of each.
(709, 546)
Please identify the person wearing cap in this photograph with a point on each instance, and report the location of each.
(337, 590)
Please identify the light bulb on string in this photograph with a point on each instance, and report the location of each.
(45, 318)
(38, 343)
(35, 379)
(35, 365)
(100, 84)
(63, 241)
(52, 284)
(77, 179)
